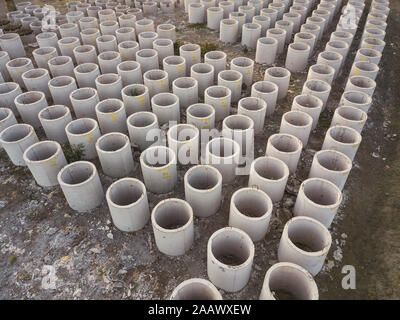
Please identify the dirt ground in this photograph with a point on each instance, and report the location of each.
(48, 251)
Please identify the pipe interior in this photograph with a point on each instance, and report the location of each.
(172, 215)
(163, 42)
(362, 82)
(322, 69)
(308, 101)
(285, 143)
(109, 55)
(230, 75)
(352, 114)
(128, 44)
(77, 173)
(81, 126)
(35, 73)
(356, 97)
(86, 68)
(182, 132)
(58, 61)
(157, 157)
(190, 47)
(321, 192)
(222, 147)
(30, 97)
(218, 92)
(148, 35)
(202, 68)
(202, 178)
(252, 104)
(195, 291)
(54, 112)
(156, 75)
(61, 81)
(19, 62)
(113, 142)
(7, 87)
(42, 151)
(343, 134)
(267, 40)
(251, 203)
(270, 169)
(277, 72)
(238, 122)
(333, 161)
(317, 85)
(369, 52)
(129, 66)
(307, 235)
(330, 55)
(174, 60)
(4, 113)
(165, 100)
(242, 62)
(16, 133)
(110, 106)
(107, 78)
(297, 119)
(142, 120)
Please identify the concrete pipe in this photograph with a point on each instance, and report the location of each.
(167, 31)
(254, 108)
(148, 59)
(196, 13)
(223, 154)
(357, 99)
(298, 124)
(164, 48)
(319, 89)
(240, 17)
(61, 66)
(343, 139)
(175, 66)
(365, 69)
(4, 58)
(86, 75)
(16, 139)
(61, 88)
(214, 17)
(136, 98)
(26, 23)
(279, 35)
(220, 98)
(111, 116)
(67, 46)
(47, 40)
(250, 34)
(191, 53)
(158, 164)
(166, 107)
(156, 81)
(297, 57)
(305, 242)
(318, 199)
(109, 85)
(320, 22)
(373, 43)
(187, 3)
(81, 178)
(368, 55)
(128, 50)
(230, 254)
(44, 160)
(338, 46)
(127, 20)
(285, 280)
(232, 80)
(322, 13)
(229, 30)
(69, 30)
(332, 59)
(11, 43)
(250, 211)
(89, 36)
(264, 23)
(146, 39)
(84, 133)
(201, 115)
(208, 3)
(203, 190)
(8, 92)
(321, 72)
(217, 59)
(108, 27)
(270, 175)
(267, 91)
(196, 289)
(186, 89)
(271, 13)
(106, 43)
(143, 25)
(307, 38)
(295, 18)
(85, 54)
(17, 67)
(108, 61)
(128, 204)
(143, 129)
(279, 76)
(280, 7)
(246, 67)
(29, 104)
(115, 155)
(287, 26)
(107, 15)
(204, 74)
(125, 34)
(74, 16)
(342, 36)
(227, 7)
(362, 84)
(249, 11)
(302, 10)
(377, 16)
(285, 147)
(7, 119)
(172, 221)
(374, 33)
(183, 139)
(54, 119)
(88, 22)
(331, 165)
(149, 8)
(37, 80)
(350, 117)
(311, 28)
(266, 50)
(310, 104)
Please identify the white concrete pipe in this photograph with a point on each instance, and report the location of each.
(29, 104)
(16, 139)
(285, 147)
(106, 43)
(44, 160)
(108, 27)
(294, 17)
(62, 66)
(270, 175)
(17, 67)
(342, 36)
(158, 164)
(240, 17)
(173, 228)
(81, 178)
(167, 31)
(321, 72)
(232, 80)
(61, 88)
(250, 34)
(249, 11)
(146, 39)
(85, 54)
(285, 280)
(143, 25)
(356, 99)
(271, 13)
(130, 73)
(368, 55)
(69, 30)
(338, 46)
(74, 16)
(223, 154)
(125, 34)
(227, 7)
(317, 88)
(148, 59)
(89, 37)
(350, 117)
(203, 190)
(196, 289)
(320, 22)
(204, 74)
(307, 38)
(186, 89)
(246, 67)
(267, 91)
(279, 35)
(279, 76)
(67, 46)
(266, 50)
(108, 61)
(54, 119)
(298, 124)
(374, 33)
(373, 43)
(88, 22)
(305, 242)
(183, 139)
(201, 115)
(164, 48)
(280, 7)
(109, 85)
(85, 132)
(217, 59)
(343, 139)
(313, 29)
(331, 165)
(287, 26)
(156, 81)
(255, 108)
(4, 58)
(191, 53)
(362, 84)
(128, 204)
(37, 80)
(250, 211)
(11, 43)
(111, 116)
(47, 40)
(175, 66)
(7, 119)
(128, 50)
(127, 20)
(166, 107)
(297, 57)
(115, 155)
(220, 98)
(230, 254)
(264, 23)
(318, 199)
(8, 92)
(197, 13)
(214, 17)
(332, 59)
(310, 104)
(229, 30)
(86, 75)
(136, 98)
(143, 129)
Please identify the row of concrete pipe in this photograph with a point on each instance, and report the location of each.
(123, 98)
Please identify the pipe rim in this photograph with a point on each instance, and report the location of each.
(92, 123)
(337, 154)
(53, 82)
(361, 114)
(175, 128)
(123, 138)
(235, 145)
(133, 116)
(110, 103)
(271, 159)
(108, 79)
(278, 73)
(206, 167)
(30, 133)
(266, 199)
(275, 136)
(181, 202)
(213, 291)
(171, 156)
(331, 185)
(8, 87)
(92, 175)
(39, 144)
(60, 107)
(177, 83)
(344, 128)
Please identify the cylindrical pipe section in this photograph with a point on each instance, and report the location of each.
(297, 123)
(54, 119)
(343, 139)
(143, 129)
(196, 289)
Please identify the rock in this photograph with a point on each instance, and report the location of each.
(110, 236)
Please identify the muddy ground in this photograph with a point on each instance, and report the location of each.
(48, 251)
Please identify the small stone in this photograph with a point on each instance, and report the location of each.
(110, 236)
(3, 204)
(122, 271)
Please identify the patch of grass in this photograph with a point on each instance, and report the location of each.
(73, 153)
(325, 119)
(207, 47)
(196, 26)
(245, 49)
(12, 259)
(177, 44)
